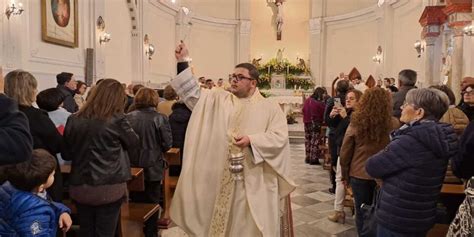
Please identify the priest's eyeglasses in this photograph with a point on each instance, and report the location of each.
(240, 77)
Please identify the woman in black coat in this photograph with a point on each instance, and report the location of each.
(412, 167)
(97, 139)
(22, 87)
(155, 139)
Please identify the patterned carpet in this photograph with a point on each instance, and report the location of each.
(311, 202)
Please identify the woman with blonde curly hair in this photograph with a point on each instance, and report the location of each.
(367, 134)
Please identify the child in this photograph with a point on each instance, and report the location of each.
(51, 100)
(25, 209)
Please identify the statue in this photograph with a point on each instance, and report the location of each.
(256, 62)
(279, 55)
(279, 18)
(445, 69)
(302, 65)
(277, 8)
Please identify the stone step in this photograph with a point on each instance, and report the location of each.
(296, 133)
(297, 139)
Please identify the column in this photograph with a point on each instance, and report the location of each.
(429, 63)
(243, 41)
(459, 14)
(316, 52)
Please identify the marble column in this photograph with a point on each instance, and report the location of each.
(316, 52)
(429, 62)
(457, 61)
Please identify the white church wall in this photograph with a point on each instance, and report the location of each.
(339, 7)
(227, 9)
(349, 43)
(213, 48)
(406, 30)
(118, 51)
(160, 25)
(23, 48)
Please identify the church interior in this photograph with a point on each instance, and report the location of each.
(296, 46)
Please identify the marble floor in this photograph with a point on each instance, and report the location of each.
(311, 202)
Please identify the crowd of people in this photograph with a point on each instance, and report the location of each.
(393, 147)
(100, 136)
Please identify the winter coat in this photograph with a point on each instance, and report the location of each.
(26, 214)
(412, 168)
(16, 142)
(155, 139)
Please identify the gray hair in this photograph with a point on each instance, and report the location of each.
(407, 77)
(433, 101)
(21, 86)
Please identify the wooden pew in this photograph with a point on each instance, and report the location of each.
(172, 156)
(452, 189)
(137, 183)
(132, 216)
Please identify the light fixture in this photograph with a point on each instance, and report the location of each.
(419, 47)
(104, 36)
(149, 48)
(14, 10)
(469, 30)
(378, 56)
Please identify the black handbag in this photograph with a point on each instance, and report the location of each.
(369, 227)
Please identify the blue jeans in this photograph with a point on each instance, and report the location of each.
(384, 232)
(363, 193)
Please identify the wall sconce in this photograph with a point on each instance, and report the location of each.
(104, 36)
(469, 30)
(149, 48)
(378, 57)
(14, 10)
(419, 47)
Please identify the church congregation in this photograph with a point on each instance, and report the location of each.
(215, 131)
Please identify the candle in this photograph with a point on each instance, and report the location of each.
(295, 87)
(268, 69)
(287, 69)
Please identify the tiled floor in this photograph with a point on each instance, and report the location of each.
(311, 201)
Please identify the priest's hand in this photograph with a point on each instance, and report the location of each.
(181, 52)
(242, 141)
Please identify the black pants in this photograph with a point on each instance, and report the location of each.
(98, 221)
(333, 152)
(363, 191)
(152, 194)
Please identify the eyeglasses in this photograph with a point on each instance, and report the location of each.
(240, 77)
(405, 104)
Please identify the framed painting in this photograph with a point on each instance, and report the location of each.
(59, 22)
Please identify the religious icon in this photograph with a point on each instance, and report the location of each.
(59, 22)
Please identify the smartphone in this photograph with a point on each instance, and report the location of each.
(337, 102)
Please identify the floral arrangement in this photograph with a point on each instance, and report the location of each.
(290, 71)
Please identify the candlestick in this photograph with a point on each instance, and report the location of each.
(268, 69)
(287, 69)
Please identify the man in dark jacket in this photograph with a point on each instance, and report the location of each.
(67, 84)
(406, 82)
(16, 143)
(179, 119)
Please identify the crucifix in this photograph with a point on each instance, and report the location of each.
(277, 7)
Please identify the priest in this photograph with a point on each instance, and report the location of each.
(209, 199)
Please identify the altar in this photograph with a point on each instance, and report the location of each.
(290, 101)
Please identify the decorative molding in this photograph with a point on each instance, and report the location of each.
(315, 25)
(132, 9)
(245, 27)
(433, 15)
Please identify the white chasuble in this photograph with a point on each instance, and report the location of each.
(207, 202)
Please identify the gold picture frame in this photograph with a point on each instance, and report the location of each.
(59, 22)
